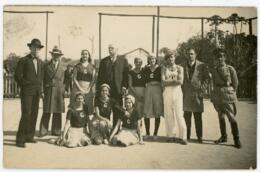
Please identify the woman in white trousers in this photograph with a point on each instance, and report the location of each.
(172, 79)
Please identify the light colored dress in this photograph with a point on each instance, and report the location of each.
(173, 104)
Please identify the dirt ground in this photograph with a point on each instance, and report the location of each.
(152, 155)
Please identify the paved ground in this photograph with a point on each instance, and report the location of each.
(156, 155)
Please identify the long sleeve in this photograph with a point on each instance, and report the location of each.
(234, 78)
(100, 74)
(125, 74)
(19, 75)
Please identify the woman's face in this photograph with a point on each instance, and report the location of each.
(84, 56)
(128, 104)
(171, 60)
(138, 63)
(152, 60)
(79, 99)
(104, 92)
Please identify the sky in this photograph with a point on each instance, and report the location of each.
(73, 27)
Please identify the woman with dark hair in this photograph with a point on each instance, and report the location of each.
(153, 101)
(75, 129)
(83, 79)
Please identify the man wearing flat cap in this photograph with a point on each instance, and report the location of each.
(29, 76)
(53, 102)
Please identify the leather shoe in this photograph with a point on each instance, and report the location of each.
(200, 140)
(183, 142)
(222, 139)
(20, 144)
(31, 141)
(43, 135)
(238, 144)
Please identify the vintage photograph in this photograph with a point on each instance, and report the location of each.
(129, 87)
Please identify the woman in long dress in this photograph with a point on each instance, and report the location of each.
(172, 79)
(84, 78)
(153, 101)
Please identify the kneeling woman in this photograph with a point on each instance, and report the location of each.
(130, 133)
(101, 124)
(74, 134)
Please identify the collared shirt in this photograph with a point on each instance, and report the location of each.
(55, 63)
(34, 59)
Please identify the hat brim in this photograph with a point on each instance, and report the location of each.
(55, 53)
(39, 46)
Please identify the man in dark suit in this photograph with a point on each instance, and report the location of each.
(113, 70)
(53, 102)
(29, 76)
(194, 85)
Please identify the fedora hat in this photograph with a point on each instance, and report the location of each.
(57, 51)
(36, 42)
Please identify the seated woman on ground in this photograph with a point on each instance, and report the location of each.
(100, 125)
(75, 129)
(130, 133)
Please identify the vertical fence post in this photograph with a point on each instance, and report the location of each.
(158, 23)
(100, 23)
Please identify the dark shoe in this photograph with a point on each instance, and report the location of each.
(43, 135)
(31, 141)
(200, 140)
(56, 133)
(238, 143)
(222, 139)
(183, 142)
(20, 144)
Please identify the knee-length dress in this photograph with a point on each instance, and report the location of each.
(76, 135)
(84, 76)
(153, 100)
(138, 83)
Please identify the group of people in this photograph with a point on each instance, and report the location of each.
(108, 107)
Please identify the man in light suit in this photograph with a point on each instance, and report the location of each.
(194, 85)
(54, 90)
(113, 71)
(29, 76)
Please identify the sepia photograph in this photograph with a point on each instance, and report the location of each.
(129, 87)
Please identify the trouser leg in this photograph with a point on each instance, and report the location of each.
(198, 123)
(25, 121)
(56, 124)
(34, 115)
(230, 112)
(44, 124)
(187, 117)
(221, 117)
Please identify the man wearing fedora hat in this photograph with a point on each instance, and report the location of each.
(29, 76)
(53, 86)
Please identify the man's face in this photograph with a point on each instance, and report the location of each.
(221, 59)
(111, 50)
(191, 55)
(35, 51)
(55, 56)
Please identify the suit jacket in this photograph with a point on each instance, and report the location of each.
(194, 87)
(120, 74)
(26, 77)
(54, 89)
(222, 92)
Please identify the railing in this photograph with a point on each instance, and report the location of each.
(246, 88)
(11, 89)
